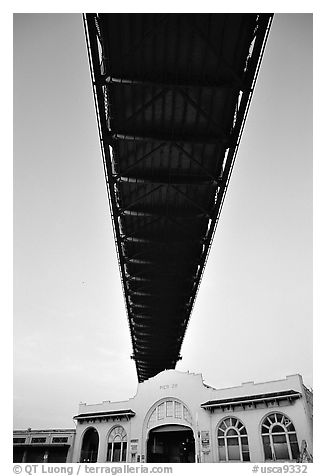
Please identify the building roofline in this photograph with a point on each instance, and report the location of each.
(107, 414)
(287, 394)
(52, 430)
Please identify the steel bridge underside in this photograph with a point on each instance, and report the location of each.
(172, 93)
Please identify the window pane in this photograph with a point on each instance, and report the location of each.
(116, 451)
(234, 421)
(220, 432)
(277, 429)
(245, 449)
(109, 452)
(295, 450)
(232, 442)
(153, 417)
(124, 451)
(220, 441)
(281, 451)
(244, 440)
(243, 431)
(169, 409)
(231, 432)
(234, 453)
(267, 448)
(264, 429)
(221, 452)
(279, 439)
(177, 409)
(245, 456)
(186, 415)
(160, 411)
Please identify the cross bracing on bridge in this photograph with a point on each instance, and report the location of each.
(172, 92)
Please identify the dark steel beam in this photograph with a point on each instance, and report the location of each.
(160, 213)
(190, 200)
(193, 159)
(139, 198)
(169, 179)
(202, 112)
(143, 157)
(152, 240)
(112, 136)
(148, 346)
(139, 261)
(191, 82)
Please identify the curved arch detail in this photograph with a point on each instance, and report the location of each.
(117, 444)
(232, 440)
(89, 446)
(168, 410)
(279, 437)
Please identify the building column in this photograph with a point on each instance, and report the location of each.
(102, 445)
(254, 439)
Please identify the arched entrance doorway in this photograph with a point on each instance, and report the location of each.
(171, 444)
(89, 447)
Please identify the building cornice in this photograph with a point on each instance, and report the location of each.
(105, 416)
(251, 401)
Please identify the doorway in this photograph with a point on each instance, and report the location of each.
(171, 444)
(89, 448)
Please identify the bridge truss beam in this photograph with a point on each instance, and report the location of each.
(172, 93)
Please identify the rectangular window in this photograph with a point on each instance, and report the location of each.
(38, 440)
(280, 447)
(177, 410)
(160, 411)
(116, 452)
(245, 456)
(267, 448)
(60, 439)
(108, 458)
(221, 451)
(124, 451)
(233, 449)
(169, 409)
(294, 446)
(245, 449)
(19, 440)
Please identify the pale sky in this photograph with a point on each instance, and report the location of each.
(252, 319)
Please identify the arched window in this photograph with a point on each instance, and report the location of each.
(279, 438)
(117, 445)
(89, 448)
(232, 441)
(168, 409)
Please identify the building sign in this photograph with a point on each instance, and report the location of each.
(166, 387)
(205, 441)
(134, 449)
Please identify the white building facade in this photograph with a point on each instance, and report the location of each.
(175, 417)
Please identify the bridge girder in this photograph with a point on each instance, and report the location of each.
(172, 93)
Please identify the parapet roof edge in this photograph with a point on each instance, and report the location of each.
(243, 384)
(52, 430)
